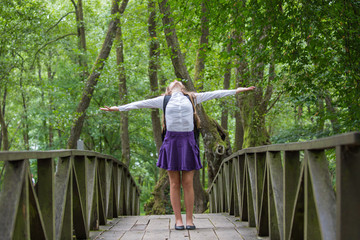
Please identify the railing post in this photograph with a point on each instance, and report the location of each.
(80, 145)
(348, 193)
(92, 193)
(263, 217)
(261, 194)
(45, 193)
(227, 186)
(323, 194)
(63, 199)
(216, 197)
(109, 189)
(221, 189)
(291, 178)
(133, 200)
(137, 203)
(80, 172)
(275, 191)
(232, 187)
(243, 188)
(311, 225)
(115, 188)
(211, 201)
(13, 224)
(122, 189)
(101, 183)
(251, 189)
(237, 191)
(127, 194)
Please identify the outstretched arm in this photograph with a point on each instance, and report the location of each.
(205, 96)
(149, 103)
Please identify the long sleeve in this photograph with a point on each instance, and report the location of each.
(205, 96)
(149, 103)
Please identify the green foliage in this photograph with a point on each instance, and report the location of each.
(314, 45)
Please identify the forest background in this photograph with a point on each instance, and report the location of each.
(62, 60)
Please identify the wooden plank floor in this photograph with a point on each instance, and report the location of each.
(161, 227)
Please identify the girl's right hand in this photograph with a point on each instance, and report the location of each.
(109, 109)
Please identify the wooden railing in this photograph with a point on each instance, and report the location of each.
(286, 192)
(74, 193)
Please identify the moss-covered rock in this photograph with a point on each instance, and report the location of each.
(159, 203)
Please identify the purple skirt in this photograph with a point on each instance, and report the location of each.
(179, 152)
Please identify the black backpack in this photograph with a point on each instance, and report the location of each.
(196, 130)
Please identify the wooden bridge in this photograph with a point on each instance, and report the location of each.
(160, 227)
(281, 191)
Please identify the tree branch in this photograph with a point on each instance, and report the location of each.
(268, 93)
(15, 134)
(123, 6)
(75, 6)
(52, 41)
(273, 103)
(59, 21)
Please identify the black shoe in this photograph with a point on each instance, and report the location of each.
(179, 227)
(190, 227)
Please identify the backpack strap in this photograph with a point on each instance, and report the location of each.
(196, 129)
(166, 101)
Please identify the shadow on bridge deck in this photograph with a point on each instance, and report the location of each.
(161, 227)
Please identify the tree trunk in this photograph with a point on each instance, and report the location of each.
(25, 129)
(177, 58)
(4, 131)
(45, 136)
(320, 114)
(93, 78)
(240, 72)
(160, 203)
(81, 38)
(154, 55)
(226, 85)
(50, 75)
(240, 79)
(203, 44)
(299, 113)
(253, 105)
(253, 110)
(124, 132)
(239, 131)
(333, 113)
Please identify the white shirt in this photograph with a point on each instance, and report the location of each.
(179, 110)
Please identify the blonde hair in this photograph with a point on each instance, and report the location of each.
(192, 96)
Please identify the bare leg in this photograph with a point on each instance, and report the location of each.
(175, 196)
(187, 183)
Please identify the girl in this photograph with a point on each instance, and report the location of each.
(179, 152)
